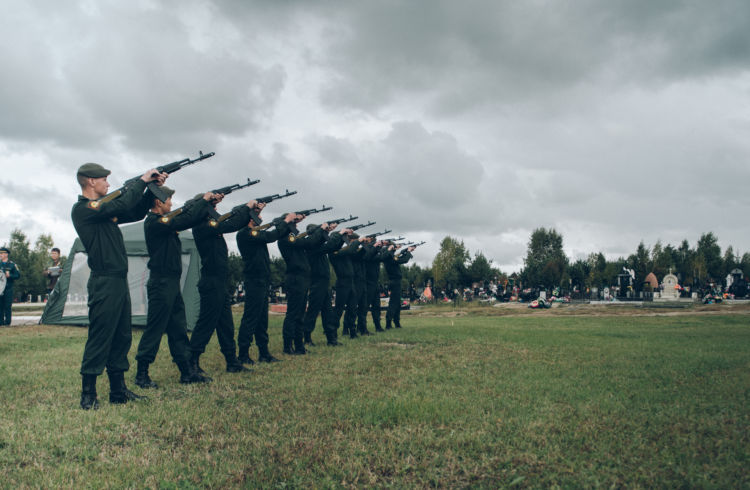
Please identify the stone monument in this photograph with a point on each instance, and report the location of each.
(669, 285)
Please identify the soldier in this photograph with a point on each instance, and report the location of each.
(53, 269)
(110, 330)
(10, 273)
(345, 299)
(166, 309)
(373, 258)
(297, 282)
(360, 288)
(253, 245)
(319, 300)
(215, 307)
(392, 264)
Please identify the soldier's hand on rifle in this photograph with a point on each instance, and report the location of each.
(153, 176)
(391, 247)
(252, 203)
(259, 206)
(209, 196)
(347, 231)
(411, 249)
(217, 198)
(290, 217)
(300, 217)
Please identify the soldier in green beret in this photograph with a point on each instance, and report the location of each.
(166, 309)
(96, 222)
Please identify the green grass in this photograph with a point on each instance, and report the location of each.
(466, 401)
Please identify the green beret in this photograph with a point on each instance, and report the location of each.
(311, 227)
(168, 191)
(93, 170)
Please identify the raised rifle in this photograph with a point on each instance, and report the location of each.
(392, 240)
(308, 212)
(274, 197)
(363, 225)
(375, 235)
(413, 244)
(342, 220)
(211, 211)
(169, 168)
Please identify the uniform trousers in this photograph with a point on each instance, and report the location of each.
(373, 302)
(215, 314)
(345, 304)
(319, 302)
(6, 305)
(296, 287)
(254, 316)
(394, 303)
(166, 314)
(110, 329)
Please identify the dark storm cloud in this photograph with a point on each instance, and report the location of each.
(464, 55)
(137, 77)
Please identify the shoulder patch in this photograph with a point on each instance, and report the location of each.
(114, 219)
(254, 233)
(164, 219)
(291, 238)
(213, 223)
(93, 204)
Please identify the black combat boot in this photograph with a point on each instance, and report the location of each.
(397, 324)
(288, 349)
(234, 365)
(332, 340)
(308, 339)
(299, 347)
(118, 392)
(195, 365)
(141, 376)
(387, 323)
(353, 333)
(88, 392)
(189, 376)
(265, 356)
(244, 356)
(378, 328)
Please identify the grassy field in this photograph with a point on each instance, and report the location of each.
(452, 400)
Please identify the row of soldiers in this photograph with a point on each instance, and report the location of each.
(96, 216)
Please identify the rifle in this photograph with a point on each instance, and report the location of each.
(411, 245)
(308, 212)
(392, 240)
(211, 211)
(155, 190)
(375, 235)
(342, 220)
(357, 227)
(274, 197)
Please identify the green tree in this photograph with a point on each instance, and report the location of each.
(641, 264)
(449, 265)
(708, 248)
(480, 269)
(545, 261)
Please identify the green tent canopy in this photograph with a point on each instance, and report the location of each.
(67, 304)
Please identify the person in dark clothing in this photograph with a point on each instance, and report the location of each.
(319, 299)
(166, 309)
(10, 273)
(253, 246)
(360, 289)
(373, 258)
(392, 264)
(53, 270)
(345, 296)
(110, 330)
(293, 249)
(215, 301)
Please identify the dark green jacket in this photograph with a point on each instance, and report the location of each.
(320, 267)
(163, 240)
(294, 249)
(96, 225)
(373, 258)
(209, 239)
(253, 247)
(393, 263)
(342, 260)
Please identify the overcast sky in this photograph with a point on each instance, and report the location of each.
(613, 122)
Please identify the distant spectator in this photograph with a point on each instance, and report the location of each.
(54, 269)
(10, 273)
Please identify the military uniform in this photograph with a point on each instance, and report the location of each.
(166, 309)
(296, 285)
(253, 247)
(345, 297)
(392, 263)
(6, 296)
(360, 290)
(319, 300)
(373, 258)
(109, 334)
(215, 304)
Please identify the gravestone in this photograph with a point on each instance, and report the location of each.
(669, 284)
